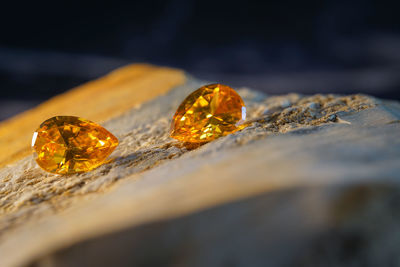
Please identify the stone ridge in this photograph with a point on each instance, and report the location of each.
(282, 114)
(98, 101)
(28, 194)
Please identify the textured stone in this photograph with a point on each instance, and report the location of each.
(312, 181)
(98, 100)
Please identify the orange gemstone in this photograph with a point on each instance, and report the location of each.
(210, 112)
(67, 144)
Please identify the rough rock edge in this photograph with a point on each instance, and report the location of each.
(27, 192)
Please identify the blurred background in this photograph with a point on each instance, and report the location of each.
(332, 46)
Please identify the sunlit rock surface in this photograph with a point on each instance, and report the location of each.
(313, 181)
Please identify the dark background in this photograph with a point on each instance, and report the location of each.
(338, 46)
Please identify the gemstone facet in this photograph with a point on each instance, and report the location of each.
(67, 144)
(210, 112)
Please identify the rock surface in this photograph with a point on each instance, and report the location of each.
(312, 181)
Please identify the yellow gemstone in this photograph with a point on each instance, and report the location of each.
(210, 112)
(67, 144)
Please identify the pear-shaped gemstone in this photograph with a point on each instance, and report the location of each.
(67, 144)
(209, 112)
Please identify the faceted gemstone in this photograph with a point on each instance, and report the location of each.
(210, 112)
(67, 144)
